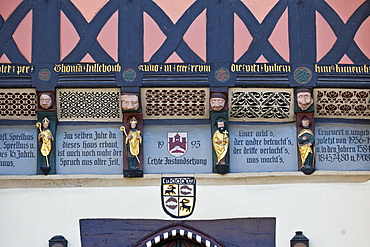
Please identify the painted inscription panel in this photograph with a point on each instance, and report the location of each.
(89, 150)
(343, 147)
(263, 148)
(18, 151)
(177, 149)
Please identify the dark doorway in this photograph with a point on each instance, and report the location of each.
(179, 243)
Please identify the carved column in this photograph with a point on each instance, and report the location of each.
(305, 130)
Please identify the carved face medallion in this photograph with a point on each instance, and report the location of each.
(304, 100)
(130, 102)
(45, 101)
(217, 104)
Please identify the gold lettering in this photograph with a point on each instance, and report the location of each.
(235, 68)
(57, 68)
(167, 68)
(365, 69)
(267, 68)
(180, 68)
(118, 68)
(256, 68)
(20, 69)
(148, 67)
(323, 68)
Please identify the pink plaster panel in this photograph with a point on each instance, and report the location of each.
(195, 36)
(242, 38)
(108, 36)
(344, 8)
(153, 37)
(262, 59)
(362, 37)
(345, 60)
(279, 38)
(23, 36)
(87, 59)
(174, 9)
(7, 7)
(68, 36)
(260, 8)
(4, 59)
(325, 37)
(89, 8)
(174, 58)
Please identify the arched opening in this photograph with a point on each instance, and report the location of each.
(178, 236)
(178, 243)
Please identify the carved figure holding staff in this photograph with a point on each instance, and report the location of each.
(45, 139)
(220, 142)
(132, 142)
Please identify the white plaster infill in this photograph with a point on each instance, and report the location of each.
(84, 180)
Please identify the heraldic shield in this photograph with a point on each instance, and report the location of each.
(178, 196)
(177, 143)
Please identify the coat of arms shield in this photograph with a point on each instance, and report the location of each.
(178, 196)
(177, 143)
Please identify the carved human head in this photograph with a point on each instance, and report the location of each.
(130, 102)
(305, 123)
(304, 99)
(220, 124)
(45, 101)
(133, 123)
(45, 123)
(217, 101)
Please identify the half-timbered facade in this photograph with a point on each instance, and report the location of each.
(184, 122)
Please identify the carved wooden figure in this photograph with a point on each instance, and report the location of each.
(133, 166)
(46, 141)
(306, 144)
(133, 141)
(220, 143)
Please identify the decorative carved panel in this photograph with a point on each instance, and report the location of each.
(261, 104)
(18, 104)
(342, 103)
(175, 103)
(102, 104)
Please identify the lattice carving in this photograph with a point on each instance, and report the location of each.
(18, 104)
(175, 103)
(261, 104)
(342, 103)
(89, 104)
